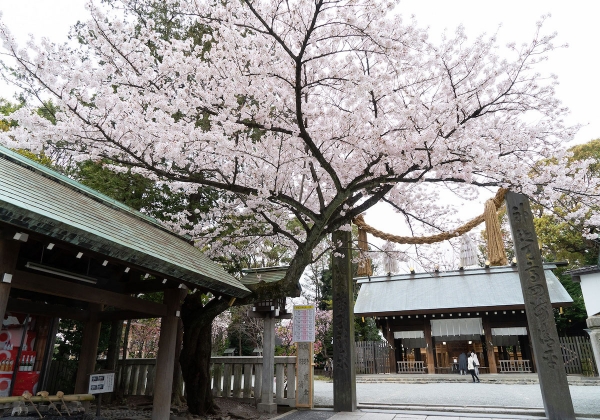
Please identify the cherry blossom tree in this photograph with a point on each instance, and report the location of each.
(293, 110)
(143, 338)
(323, 331)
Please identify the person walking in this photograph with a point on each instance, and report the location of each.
(471, 367)
(475, 362)
(462, 364)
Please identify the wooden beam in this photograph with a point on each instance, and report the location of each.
(147, 286)
(9, 251)
(122, 315)
(55, 287)
(43, 309)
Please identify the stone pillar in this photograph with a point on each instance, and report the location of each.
(430, 347)
(344, 374)
(593, 324)
(165, 358)
(489, 345)
(540, 316)
(266, 404)
(89, 349)
(9, 251)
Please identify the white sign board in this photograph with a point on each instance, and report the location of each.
(101, 383)
(304, 324)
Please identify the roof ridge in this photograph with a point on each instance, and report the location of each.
(547, 265)
(64, 180)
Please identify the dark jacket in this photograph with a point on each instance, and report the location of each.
(462, 362)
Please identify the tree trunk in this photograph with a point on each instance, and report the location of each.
(195, 354)
(197, 329)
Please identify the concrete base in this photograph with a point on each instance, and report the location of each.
(593, 324)
(593, 321)
(270, 408)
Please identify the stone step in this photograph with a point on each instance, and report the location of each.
(487, 378)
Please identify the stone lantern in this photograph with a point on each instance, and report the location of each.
(270, 310)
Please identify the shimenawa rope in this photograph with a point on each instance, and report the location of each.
(496, 252)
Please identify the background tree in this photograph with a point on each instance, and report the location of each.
(245, 333)
(143, 338)
(564, 240)
(312, 111)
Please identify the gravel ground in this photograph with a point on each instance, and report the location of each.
(586, 399)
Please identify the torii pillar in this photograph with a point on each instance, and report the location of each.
(540, 316)
(344, 356)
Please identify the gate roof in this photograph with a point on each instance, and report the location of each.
(39, 200)
(472, 289)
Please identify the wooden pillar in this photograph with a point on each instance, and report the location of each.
(390, 339)
(89, 349)
(9, 251)
(344, 356)
(534, 368)
(266, 404)
(165, 359)
(489, 346)
(430, 347)
(540, 316)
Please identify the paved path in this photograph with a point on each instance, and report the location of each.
(392, 415)
(586, 399)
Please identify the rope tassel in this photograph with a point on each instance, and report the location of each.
(495, 244)
(364, 264)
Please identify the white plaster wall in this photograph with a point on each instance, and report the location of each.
(590, 286)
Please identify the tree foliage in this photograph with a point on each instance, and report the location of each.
(564, 240)
(315, 111)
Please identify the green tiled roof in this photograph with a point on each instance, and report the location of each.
(267, 274)
(38, 199)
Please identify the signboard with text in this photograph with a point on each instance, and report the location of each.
(304, 324)
(304, 376)
(101, 382)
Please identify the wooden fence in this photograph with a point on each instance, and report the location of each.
(235, 377)
(411, 367)
(241, 378)
(578, 355)
(372, 357)
(515, 366)
(61, 376)
(136, 376)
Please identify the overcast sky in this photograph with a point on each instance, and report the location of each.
(576, 66)
(575, 21)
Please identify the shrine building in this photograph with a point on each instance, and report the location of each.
(430, 318)
(67, 251)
